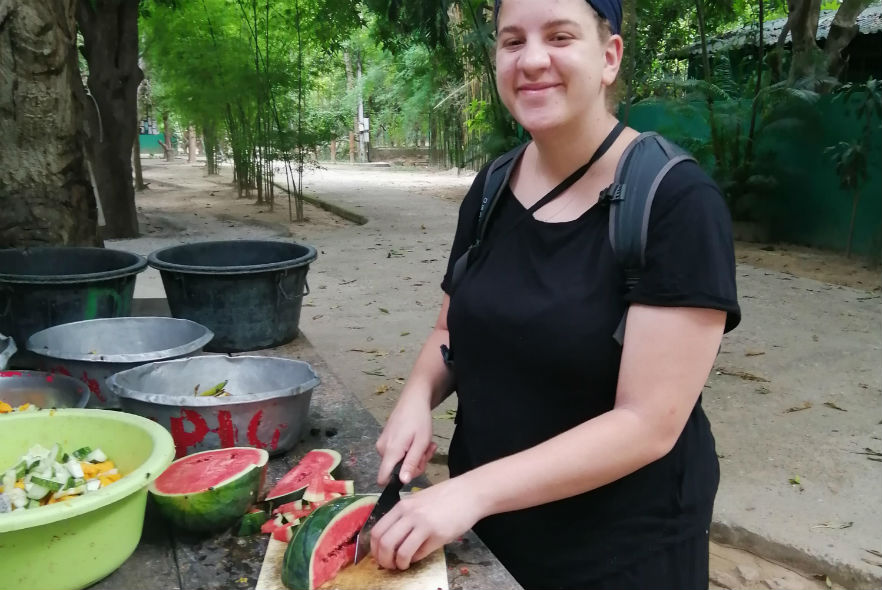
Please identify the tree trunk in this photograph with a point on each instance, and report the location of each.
(167, 144)
(136, 162)
(191, 144)
(45, 194)
(748, 156)
(842, 31)
(712, 124)
(803, 29)
(349, 86)
(110, 35)
(359, 111)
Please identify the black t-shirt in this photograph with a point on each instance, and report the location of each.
(531, 326)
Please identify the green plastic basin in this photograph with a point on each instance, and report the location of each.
(76, 543)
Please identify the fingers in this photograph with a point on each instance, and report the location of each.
(390, 458)
(424, 460)
(414, 460)
(386, 539)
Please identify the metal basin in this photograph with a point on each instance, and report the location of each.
(44, 390)
(267, 407)
(7, 349)
(92, 350)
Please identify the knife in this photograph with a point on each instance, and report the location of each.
(389, 498)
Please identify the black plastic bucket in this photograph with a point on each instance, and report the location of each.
(248, 292)
(45, 286)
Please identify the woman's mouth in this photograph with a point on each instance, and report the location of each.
(536, 87)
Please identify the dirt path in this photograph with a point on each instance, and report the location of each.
(375, 295)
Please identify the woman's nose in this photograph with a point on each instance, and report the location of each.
(534, 56)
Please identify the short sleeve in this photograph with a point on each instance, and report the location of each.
(466, 226)
(690, 256)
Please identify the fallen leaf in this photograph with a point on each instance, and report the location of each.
(405, 333)
(874, 552)
(834, 406)
(804, 406)
(384, 310)
(754, 353)
(794, 480)
(742, 374)
(366, 351)
(827, 525)
(375, 373)
(319, 316)
(381, 390)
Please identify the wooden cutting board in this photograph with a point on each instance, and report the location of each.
(427, 574)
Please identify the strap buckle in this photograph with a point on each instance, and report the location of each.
(614, 193)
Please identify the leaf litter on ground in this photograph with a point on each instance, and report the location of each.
(834, 406)
(804, 406)
(741, 374)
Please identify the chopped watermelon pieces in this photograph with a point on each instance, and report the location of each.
(322, 489)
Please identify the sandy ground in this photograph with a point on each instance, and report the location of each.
(794, 395)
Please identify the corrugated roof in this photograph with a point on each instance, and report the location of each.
(869, 21)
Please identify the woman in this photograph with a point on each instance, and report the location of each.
(580, 463)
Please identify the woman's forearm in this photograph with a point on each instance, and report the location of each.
(586, 457)
(430, 379)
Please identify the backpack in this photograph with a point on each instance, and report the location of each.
(643, 165)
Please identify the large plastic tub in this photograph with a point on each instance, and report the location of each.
(248, 292)
(46, 286)
(73, 544)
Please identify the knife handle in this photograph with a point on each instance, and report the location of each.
(396, 472)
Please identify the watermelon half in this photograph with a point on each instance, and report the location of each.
(324, 543)
(315, 463)
(210, 490)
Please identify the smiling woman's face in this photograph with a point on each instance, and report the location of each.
(552, 63)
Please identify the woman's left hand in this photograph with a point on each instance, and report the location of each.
(422, 522)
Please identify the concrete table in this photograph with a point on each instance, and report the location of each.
(172, 560)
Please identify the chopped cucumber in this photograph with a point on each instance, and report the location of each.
(35, 491)
(82, 453)
(49, 484)
(74, 468)
(96, 456)
(33, 503)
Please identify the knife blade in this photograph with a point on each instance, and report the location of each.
(388, 499)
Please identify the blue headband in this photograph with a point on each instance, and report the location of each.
(611, 10)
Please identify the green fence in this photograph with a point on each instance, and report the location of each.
(150, 144)
(807, 205)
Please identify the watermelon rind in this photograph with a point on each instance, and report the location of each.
(251, 522)
(298, 562)
(285, 491)
(219, 506)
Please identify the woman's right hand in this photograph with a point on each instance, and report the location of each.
(407, 434)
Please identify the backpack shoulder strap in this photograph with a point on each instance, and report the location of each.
(643, 165)
(498, 175)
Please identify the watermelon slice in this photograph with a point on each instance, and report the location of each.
(324, 543)
(251, 522)
(292, 485)
(284, 533)
(322, 489)
(210, 490)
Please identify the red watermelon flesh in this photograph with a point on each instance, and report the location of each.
(315, 463)
(336, 546)
(206, 470)
(325, 488)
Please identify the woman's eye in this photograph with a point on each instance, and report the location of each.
(560, 37)
(511, 42)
